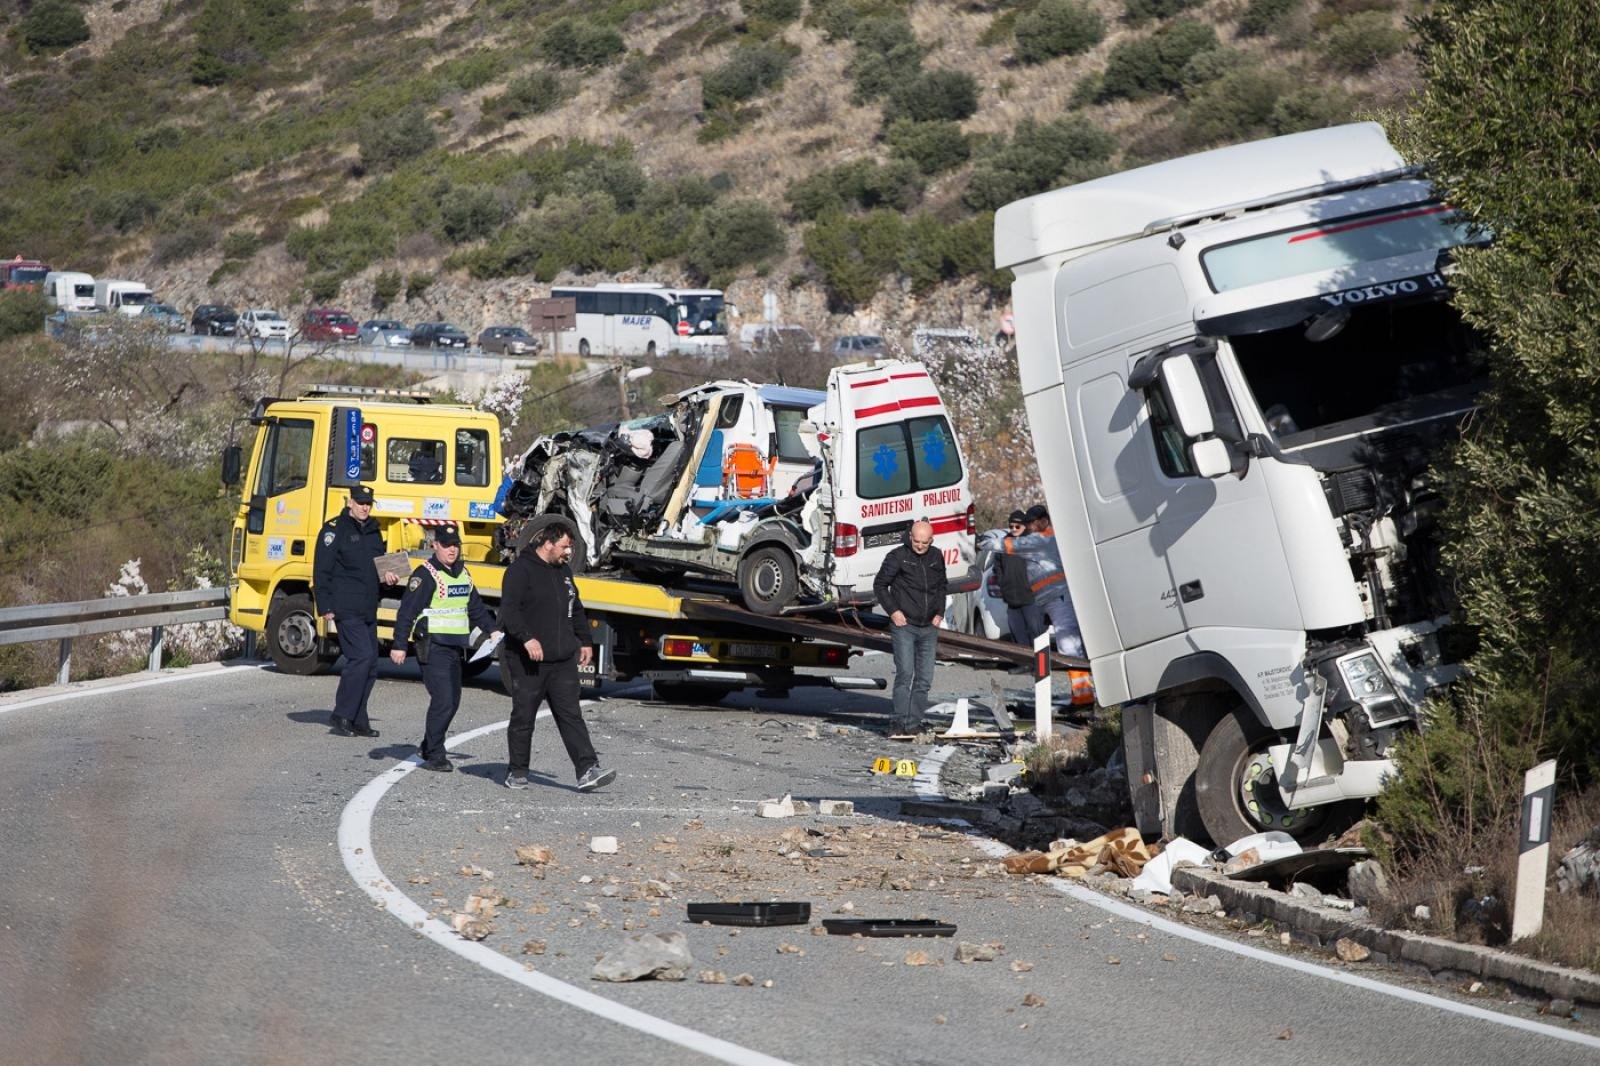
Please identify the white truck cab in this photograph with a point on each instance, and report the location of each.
(1237, 369)
(122, 297)
(70, 290)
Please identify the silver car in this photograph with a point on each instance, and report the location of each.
(385, 332)
(508, 340)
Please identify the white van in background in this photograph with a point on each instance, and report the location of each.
(69, 290)
(122, 297)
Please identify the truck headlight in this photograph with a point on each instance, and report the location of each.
(1367, 683)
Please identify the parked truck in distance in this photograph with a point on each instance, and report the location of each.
(20, 273)
(1240, 365)
(122, 297)
(69, 290)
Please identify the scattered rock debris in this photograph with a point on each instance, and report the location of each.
(647, 956)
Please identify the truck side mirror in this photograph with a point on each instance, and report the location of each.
(230, 465)
(1190, 408)
(1211, 458)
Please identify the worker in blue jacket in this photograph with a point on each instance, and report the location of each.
(438, 613)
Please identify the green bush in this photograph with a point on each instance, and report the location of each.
(934, 147)
(934, 251)
(531, 94)
(240, 244)
(773, 12)
(934, 95)
(633, 78)
(126, 209)
(1312, 107)
(578, 44)
(322, 288)
(418, 284)
(1237, 107)
(855, 254)
(157, 138)
(734, 234)
(22, 311)
(182, 243)
(386, 143)
(1362, 41)
(1207, 67)
(617, 176)
(1039, 157)
(235, 36)
(54, 24)
(471, 212)
(886, 55)
(1141, 11)
(385, 287)
(863, 183)
(1149, 65)
(750, 71)
(1057, 28)
(1265, 17)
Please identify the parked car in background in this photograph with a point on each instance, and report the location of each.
(389, 332)
(778, 338)
(859, 346)
(263, 324)
(328, 324)
(214, 320)
(437, 335)
(166, 316)
(508, 340)
(70, 290)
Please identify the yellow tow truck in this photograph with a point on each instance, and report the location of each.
(428, 464)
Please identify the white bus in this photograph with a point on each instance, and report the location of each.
(648, 319)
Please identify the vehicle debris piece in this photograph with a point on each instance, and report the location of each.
(778, 808)
(836, 808)
(1157, 873)
(771, 913)
(887, 927)
(1120, 851)
(603, 845)
(647, 956)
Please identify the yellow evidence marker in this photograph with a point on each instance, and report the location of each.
(905, 768)
(882, 766)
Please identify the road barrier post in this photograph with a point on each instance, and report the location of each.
(1042, 646)
(64, 662)
(157, 639)
(1533, 849)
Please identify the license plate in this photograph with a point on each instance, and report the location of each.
(880, 540)
(596, 667)
(753, 651)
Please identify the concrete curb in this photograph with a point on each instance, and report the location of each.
(1320, 927)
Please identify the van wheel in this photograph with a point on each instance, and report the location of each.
(583, 348)
(292, 636)
(767, 580)
(1236, 788)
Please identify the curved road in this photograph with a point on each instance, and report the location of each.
(174, 891)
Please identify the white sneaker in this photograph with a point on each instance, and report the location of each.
(594, 777)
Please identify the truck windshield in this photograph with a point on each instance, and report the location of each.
(28, 275)
(136, 299)
(1387, 357)
(703, 312)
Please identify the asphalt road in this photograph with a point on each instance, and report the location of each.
(174, 891)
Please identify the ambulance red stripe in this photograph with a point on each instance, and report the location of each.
(889, 408)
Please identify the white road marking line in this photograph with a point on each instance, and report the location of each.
(355, 845)
(927, 787)
(189, 673)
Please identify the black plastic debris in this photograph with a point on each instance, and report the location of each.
(750, 913)
(887, 927)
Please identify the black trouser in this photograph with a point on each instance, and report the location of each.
(358, 639)
(531, 684)
(441, 674)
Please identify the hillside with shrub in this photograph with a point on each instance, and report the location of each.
(846, 154)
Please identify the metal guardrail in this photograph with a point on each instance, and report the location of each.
(66, 621)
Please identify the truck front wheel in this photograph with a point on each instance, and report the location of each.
(1236, 789)
(292, 636)
(767, 580)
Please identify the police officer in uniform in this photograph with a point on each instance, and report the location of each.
(346, 586)
(439, 611)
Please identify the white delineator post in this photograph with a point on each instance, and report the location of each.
(1042, 645)
(1533, 849)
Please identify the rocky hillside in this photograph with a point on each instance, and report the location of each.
(450, 158)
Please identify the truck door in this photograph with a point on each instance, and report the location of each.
(896, 461)
(283, 512)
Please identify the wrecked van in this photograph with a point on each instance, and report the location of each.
(795, 495)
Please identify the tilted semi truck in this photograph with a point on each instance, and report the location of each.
(1238, 367)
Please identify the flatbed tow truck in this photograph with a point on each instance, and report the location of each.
(691, 643)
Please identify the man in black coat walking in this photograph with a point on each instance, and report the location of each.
(911, 586)
(346, 586)
(547, 639)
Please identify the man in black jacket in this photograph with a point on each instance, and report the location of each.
(547, 639)
(440, 594)
(911, 586)
(1024, 617)
(345, 584)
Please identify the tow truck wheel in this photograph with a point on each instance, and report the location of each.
(292, 636)
(767, 580)
(1236, 789)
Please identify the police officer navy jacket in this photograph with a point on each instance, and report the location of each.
(447, 596)
(344, 579)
